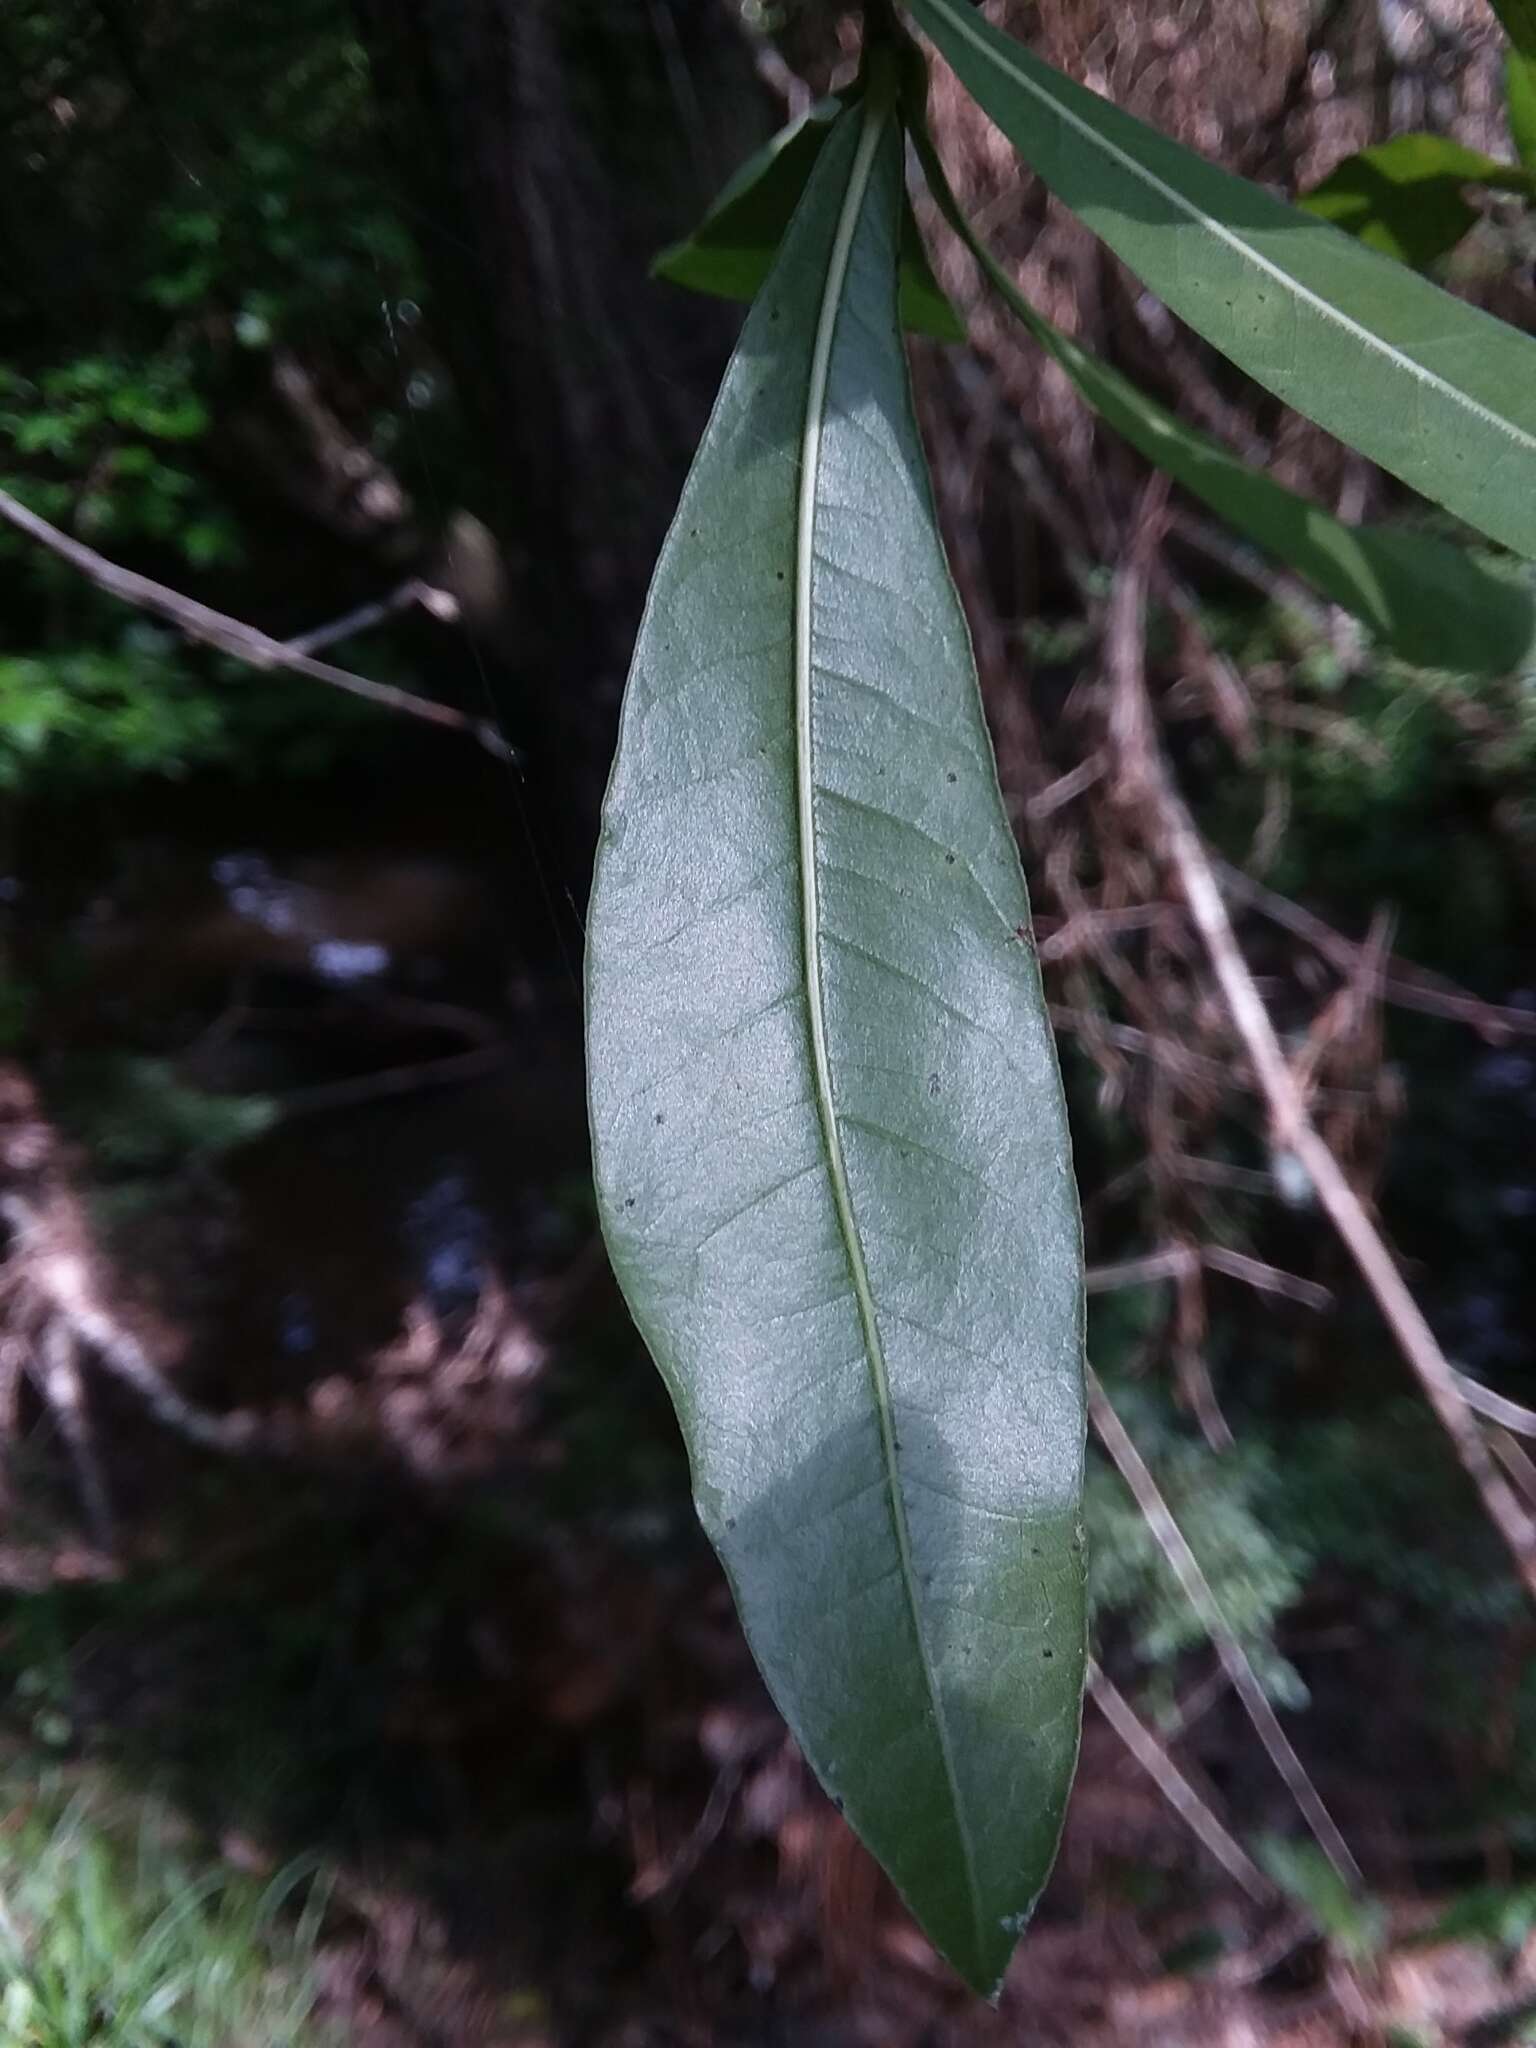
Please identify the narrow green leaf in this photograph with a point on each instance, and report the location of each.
(1520, 95)
(1519, 19)
(1429, 601)
(1434, 390)
(829, 1140)
(731, 251)
(1407, 197)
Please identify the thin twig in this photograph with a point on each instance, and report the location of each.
(1167, 1264)
(1144, 778)
(1176, 1788)
(1402, 983)
(1197, 1590)
(231, 636)
(364, 617)
(1219, 1258)
(391, 1083)
(1176, 1262)
(1507, 1414)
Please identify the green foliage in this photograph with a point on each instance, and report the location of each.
(1430, 388)
(721, 1235)
(217, 237)
(1229, 1508)
(1431, 602)
(1353, 1925)
(114, 1934)
(132, 709)
(138, 1119)
(731, 251)
(1407, 197)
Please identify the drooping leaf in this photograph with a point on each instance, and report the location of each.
(731, 251)
(1434, 390)
(1407, 197)
(1430, 601)
(1520, 99)
(829, 1140)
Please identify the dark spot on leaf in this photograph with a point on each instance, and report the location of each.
(949, 860)
(661, 1117)
(1049, 1654)
(951, 776)
(629, 1201)
(933, 1084)
(781, 575)
(730, 1521)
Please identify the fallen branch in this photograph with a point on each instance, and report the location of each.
(1176, 1788)
(1145, 781)
(1196, 1587)
(50, 1240)
(231, 636)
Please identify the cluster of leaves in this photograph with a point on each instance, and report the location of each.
(864, 1541)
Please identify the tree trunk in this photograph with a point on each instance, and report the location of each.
(550, 147)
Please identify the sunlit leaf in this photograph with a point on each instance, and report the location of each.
(829, 1139)
(1434, 390)
(731, 251)
(1431, 602)
(1407, 197)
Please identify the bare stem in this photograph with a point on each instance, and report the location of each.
(1176, 1788)
(231, 636)
(1145, 780)
(1196, 1587)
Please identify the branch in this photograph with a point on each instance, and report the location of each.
(232, 637)
(1146, 781)
(440, 603)
(1178, 1261)
(1176, 1788)
(1196, 1587)
(1507, 1414)
(1401, 982)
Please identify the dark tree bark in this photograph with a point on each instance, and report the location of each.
(548, 148)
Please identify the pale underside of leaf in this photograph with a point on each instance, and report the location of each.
(1434, 390)
(828, 1132)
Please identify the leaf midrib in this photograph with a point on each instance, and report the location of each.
(1218, 229)
(877, 109)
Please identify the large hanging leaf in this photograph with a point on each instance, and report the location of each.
(1434, 390)
(829, 1140)
(731, 251)
(1407, 197)
(1431, 602)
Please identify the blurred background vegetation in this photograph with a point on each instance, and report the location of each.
(367, 1678)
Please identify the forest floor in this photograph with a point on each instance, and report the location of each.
(451, 1630)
